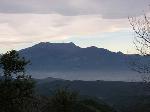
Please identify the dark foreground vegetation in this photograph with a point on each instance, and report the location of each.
(17, 92)
(123, 96)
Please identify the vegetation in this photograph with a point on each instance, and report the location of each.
(65, 100)
(16, 88)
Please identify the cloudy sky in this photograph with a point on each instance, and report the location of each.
(101, 23)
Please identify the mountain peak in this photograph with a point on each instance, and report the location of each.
(48, 44)
(54, 46)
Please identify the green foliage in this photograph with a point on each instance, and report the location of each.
(15, 94)
(16, 90)
(12, 63)
(63, 100)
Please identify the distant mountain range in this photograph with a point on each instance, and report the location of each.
(68, 61)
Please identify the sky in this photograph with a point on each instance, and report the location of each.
(101, 23)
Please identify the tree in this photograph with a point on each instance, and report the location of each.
(16, 88)
(66, 100)
(12, 64)
(141, 28)
(63, 100)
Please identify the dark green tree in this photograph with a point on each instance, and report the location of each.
(16, 88)
(66, 100)
(63, 100)
(12, 64)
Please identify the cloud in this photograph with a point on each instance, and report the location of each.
(21, 28)
(24, 22)
(106, 8)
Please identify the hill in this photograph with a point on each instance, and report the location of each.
(123, 96)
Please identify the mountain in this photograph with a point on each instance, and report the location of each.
(68, 61)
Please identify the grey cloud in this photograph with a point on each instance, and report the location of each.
(106, 8)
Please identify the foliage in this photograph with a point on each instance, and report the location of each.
(12, 63)
(65, 100)
(16, 88)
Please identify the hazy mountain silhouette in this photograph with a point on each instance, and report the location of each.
(68, 61)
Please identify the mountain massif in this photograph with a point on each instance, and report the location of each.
(68, 61)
